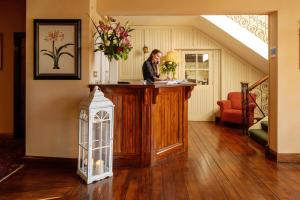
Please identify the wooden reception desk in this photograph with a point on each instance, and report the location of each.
(151, 121)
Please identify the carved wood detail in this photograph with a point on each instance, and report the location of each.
(188, 91)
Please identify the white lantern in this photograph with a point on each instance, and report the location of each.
(95, 137)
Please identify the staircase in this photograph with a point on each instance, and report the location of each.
(259, 132)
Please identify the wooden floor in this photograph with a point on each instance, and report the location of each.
(11, 153)
(221, 164)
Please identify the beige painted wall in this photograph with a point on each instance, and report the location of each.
(52, 105)
(12, 19)
(288, 77)
(93, 63)
(273, 115)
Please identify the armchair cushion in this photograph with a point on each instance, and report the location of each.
(232, 115)
(235, 98)
(224, 104)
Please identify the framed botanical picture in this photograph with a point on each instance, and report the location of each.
(57, 49)
(1, 51)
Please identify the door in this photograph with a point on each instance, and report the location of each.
(19, 85)
(198, 67)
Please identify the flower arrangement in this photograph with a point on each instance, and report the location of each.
(114, 38)
(56, 52)
(169, 63)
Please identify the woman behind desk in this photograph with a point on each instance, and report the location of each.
(151, 66)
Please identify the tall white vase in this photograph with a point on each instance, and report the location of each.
(104, 69)
(113, 71)
(109, 72)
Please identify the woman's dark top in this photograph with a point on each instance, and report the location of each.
(149, 71)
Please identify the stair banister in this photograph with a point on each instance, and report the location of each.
(245, 90)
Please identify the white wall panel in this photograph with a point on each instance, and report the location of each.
(131, 69)
(234, 70)
(217, 78)
(201, 41)
(182, 38)
(229, 69)
(159, 38)
(200, 104)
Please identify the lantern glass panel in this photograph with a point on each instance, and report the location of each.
(106, 155)
(96, 135)
(98, 162)
(83, 155)
(106, 137)
(101, 130)
(101, 160)
(84, 129)
(101, 142)
(83, 141)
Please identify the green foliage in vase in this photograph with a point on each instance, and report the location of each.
(168, 67)
(169, 63)
(112, 38)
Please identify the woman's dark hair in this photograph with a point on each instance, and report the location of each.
(153, 52)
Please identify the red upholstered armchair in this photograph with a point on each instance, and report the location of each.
(231, 109)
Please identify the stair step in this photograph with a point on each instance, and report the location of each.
(265, 125)
(259, 135)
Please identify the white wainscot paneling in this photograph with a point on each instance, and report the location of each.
(131, 69)
(182, 38)
(202, 41)
(227, 78)
(159, 38)
(235, 70)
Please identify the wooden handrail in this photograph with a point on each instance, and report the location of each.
(257, 83)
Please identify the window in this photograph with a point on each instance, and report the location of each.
(197, 68)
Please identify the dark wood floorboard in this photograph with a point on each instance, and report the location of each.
(221, 164)
(11, 153)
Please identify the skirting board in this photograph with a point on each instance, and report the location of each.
(288, 157)
(50, 162)
(282, 157)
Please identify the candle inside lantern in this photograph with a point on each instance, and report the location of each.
(99, 164)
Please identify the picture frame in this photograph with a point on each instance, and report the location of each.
(1, 51)
(57, 49)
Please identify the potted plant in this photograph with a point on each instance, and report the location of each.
(169, 64)
(113, 38)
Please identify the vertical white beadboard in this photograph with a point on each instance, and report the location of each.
(131, 69)
(159, 38)
(182, 38)
(201, 104)
(234, 70)
(217, 80)
(228, 68)
(202, 41)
